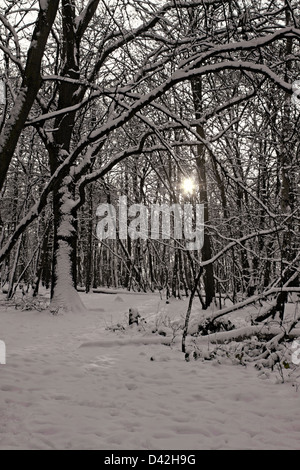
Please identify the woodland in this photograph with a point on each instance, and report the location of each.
(102, 99)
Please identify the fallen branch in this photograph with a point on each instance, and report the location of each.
(253, 300)
(261, 332)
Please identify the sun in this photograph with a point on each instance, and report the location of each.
(188, 186)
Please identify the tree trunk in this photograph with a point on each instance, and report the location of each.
(13, 270)
(208, 277)
(63, 290)
(89, 254)
(29, 88)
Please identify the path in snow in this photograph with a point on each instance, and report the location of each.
(55, 394)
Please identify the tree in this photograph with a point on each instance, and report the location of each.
(30, 73)
(112, 84)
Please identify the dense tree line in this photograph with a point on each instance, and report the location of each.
(125, 98)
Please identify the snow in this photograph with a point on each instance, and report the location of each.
(89, 381)
(65, 296)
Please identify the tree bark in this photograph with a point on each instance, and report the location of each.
(208, 277)
(30, 86)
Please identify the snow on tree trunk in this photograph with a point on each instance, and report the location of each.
(64, 295)
(31, 82)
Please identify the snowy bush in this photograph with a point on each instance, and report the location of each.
(30, 303)
(265, 355)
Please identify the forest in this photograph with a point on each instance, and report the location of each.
(109, 99)
(163, 103)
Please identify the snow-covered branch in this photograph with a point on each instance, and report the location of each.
(29, 88)
(240, 334)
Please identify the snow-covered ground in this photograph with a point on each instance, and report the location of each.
(71, 382)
